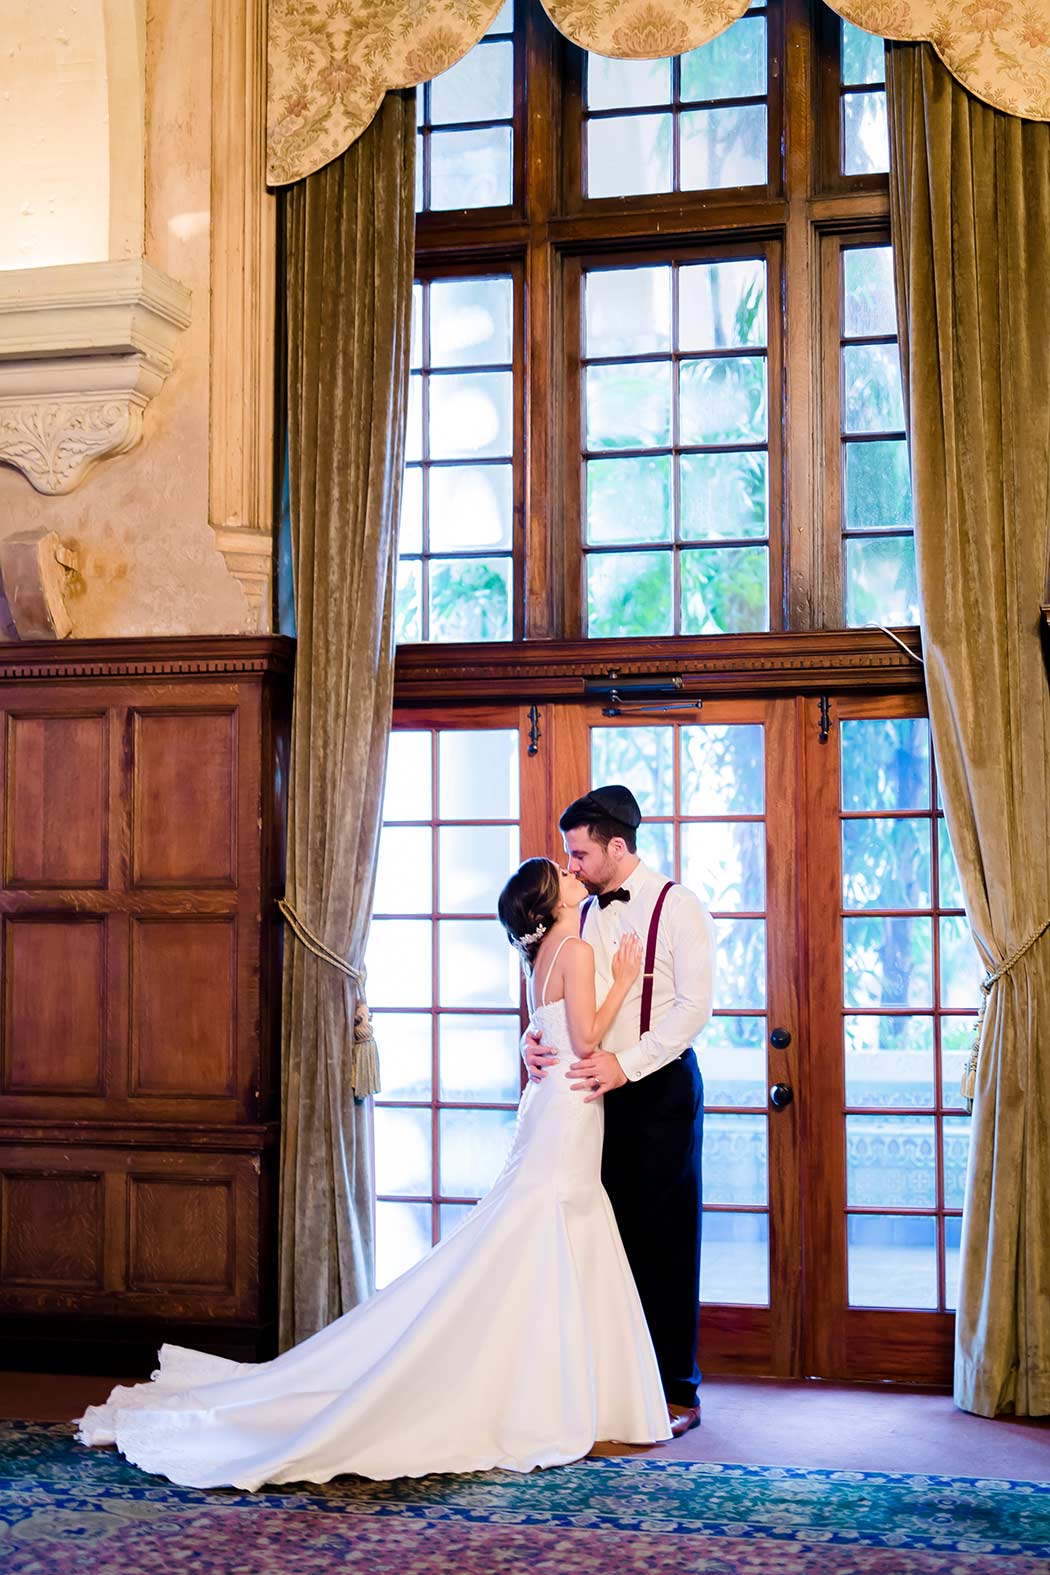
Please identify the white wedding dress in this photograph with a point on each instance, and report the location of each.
(516, 1342)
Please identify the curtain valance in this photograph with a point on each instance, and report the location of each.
(329, 66)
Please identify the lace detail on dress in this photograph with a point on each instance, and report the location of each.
(180, 1369)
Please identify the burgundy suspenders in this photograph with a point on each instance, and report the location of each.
(650, 961)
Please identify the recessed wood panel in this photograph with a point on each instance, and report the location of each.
(180, 1233)
(54, 1005)
(51, 1230)
(183, 1007)
(55, 833)
(184, 798)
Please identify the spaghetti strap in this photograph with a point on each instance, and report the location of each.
(550, 970)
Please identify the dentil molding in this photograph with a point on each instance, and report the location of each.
(84, 347)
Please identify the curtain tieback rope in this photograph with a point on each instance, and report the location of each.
(988, 983)
(364, 1073)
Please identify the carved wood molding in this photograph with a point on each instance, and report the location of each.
(243, 306)
(200, 656)
(128, 1134)
(804, 663)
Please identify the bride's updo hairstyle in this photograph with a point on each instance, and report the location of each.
(527, 906)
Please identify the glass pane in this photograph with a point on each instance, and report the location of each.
(628, 593)
(881, 586)
(473, 864)
(403, 871)
(408, 616)
(402, 1237)
(471, 169)
(471, 414)
(892, 1260)
(740, 981)
(952, 1243)
(627, 84)
(732, 1057)
(408, 793)
(723, 147)
(733, 65)
(403, 1150)
(949, 886)
(886, 864)
(956, 1040)
(872, 399)
(723, 769)
(863, 56)
(470, 599)
(628, 155)
(415, 349)
(722, 306)
(656, 846)
(877, 485)
(398, 960)
(628, 406)
(956, 1136)
(478, 774)
(734, 1265)
(724, 495)
(865, 134)
(889, 1061)
(414, 418)
(474, 1146)
(476, 965)
(888, 962)
(725, 863)
(471, 506)
(961, 966)
(479, 1058)
(503, 21)
(723, 400)
(725, 590)
(642, 758)
(410, 533)
(471, 321)
(421, 155)
(735, 1159)
(404, 1040)
(869, 307)
(478, 87)
(627, 311)
(891, 1162)
(886, 764)
(629, 499)
(451, 1216)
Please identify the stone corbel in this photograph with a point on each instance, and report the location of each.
(84, 347)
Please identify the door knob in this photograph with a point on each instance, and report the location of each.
(781, 1095)
(780, 1039)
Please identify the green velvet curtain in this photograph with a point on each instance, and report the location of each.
(349, 238)
(970, 210)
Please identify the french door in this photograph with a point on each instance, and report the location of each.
(834, 1146)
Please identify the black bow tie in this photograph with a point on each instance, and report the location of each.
(621, 894)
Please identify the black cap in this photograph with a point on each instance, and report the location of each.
(616, 802)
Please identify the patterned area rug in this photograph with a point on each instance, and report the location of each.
(65, 1510)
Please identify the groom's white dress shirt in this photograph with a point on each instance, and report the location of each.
(683, 973)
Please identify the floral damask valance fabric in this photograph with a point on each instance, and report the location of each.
(331, 63)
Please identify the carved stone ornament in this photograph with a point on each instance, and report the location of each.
(84, 347)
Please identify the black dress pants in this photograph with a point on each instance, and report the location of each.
(651, 1171)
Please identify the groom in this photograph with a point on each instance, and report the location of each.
(654, 1109)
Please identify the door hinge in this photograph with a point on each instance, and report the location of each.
(535, 731)
(825, 719)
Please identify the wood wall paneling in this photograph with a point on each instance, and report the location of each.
(55, 832)
(52, 1229)
(183, 1006)
(55, 997)
(181, 1232)
(184, 797)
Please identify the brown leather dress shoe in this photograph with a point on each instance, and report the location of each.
(683, 1418)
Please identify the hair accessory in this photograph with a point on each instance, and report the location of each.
(522, 941)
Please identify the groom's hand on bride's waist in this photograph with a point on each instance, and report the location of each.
(597, 1074)
(538, 1057)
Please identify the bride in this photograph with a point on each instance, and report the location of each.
(516, 1342)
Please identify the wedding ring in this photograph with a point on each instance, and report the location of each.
(595, 1085)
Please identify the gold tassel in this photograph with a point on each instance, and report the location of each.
(364, 1074)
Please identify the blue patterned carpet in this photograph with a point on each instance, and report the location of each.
(65, 1510)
